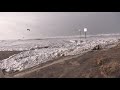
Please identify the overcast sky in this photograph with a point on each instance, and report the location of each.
(14, 25)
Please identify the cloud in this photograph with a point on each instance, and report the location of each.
(15, 24)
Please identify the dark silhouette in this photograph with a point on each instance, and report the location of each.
(28, 29)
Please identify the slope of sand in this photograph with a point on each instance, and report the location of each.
(93, 64)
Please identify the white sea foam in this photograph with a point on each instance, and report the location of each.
(40, 51)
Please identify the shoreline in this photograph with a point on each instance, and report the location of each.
(46, 64)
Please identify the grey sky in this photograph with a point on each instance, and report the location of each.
(42, 24)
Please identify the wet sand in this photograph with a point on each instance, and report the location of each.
(7, 54)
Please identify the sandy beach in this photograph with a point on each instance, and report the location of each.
(93, 64)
